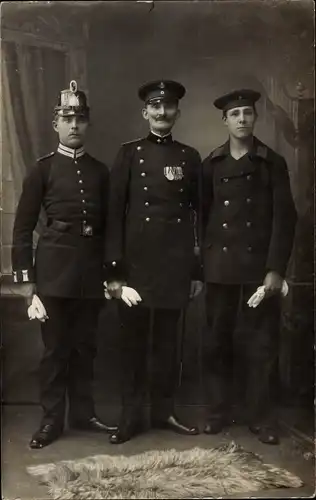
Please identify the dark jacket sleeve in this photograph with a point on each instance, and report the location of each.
(284, 219)
(116, 211)
(26, 218)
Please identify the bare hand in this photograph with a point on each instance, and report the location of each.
(272, 283)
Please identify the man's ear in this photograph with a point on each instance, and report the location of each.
(145, 113)
(54, 124)
(224, 118)
(178, 114)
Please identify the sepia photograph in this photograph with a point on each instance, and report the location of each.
(157, 249)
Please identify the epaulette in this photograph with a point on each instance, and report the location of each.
(131, 142)
(46, 156)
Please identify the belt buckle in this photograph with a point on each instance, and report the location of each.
(87, 230)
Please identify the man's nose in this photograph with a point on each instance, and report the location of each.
(74, 122)
(242, 117)
(161, 110)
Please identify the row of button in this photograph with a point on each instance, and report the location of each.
(148, 220)
(227, 202)
(248, 224)
(80, 181)
(225, 249)
(226, 179)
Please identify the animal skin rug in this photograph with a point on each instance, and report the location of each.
(194, 473)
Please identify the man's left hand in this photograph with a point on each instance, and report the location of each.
(273, 283)
(196, 288)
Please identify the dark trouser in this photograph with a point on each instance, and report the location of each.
(255, 341)
(67, 364)
(149, 361)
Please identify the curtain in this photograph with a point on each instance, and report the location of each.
(31, 78)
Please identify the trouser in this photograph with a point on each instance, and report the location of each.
(255, 341)
(66, 367)
(148, 361)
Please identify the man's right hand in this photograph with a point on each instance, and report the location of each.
(27, 290)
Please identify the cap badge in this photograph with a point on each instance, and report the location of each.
(162, 85)
(173, 173)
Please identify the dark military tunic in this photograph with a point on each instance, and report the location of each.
(153, 197)
(249, 215)
(249, 222)
(69, 260)
(154, 192)
(71, 187)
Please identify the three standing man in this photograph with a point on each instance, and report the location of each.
(149, 222)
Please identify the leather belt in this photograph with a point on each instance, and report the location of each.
(79, 228)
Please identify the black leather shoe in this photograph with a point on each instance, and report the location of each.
(214, 427)
(124, 433)
(93, 424)
(172, 424)
(266, 434)
(44, 436)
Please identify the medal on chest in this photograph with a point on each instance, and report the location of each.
(173, 173)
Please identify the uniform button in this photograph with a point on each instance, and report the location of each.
(139, 148)
(158, 140)
(78, 172)
(143, 174)
(146, 204)
(145, 188)
(249, 224)
(181, 205)
(84, 221)
(76, 162)
(225, 179)
(81, 191)
(84, 212)
(181, 190)
(80, 181)
(147, 219)
(249, 249)
(249, 200)
(83, 201)
(226, 203)
(183, 163)
(178, 220)
(141, 160)
(113, 263)
(225, 249)
(183, 150)
(225, 225)
(248, 177)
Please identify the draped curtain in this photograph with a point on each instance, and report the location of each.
(31, 77)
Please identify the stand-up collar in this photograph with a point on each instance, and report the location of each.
(70, 152)
(157, 139)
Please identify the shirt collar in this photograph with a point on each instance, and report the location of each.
(70, 152)
(258, 149)
(158, 139)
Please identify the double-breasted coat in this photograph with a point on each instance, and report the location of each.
(69, 259)
(249, 215)
(154, 194)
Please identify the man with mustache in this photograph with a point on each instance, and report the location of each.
(153, 196)
(71, 187)
(249, 221)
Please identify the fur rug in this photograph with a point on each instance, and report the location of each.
(194, 473)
